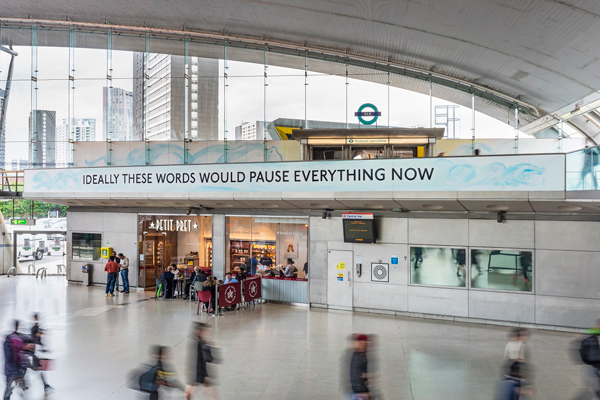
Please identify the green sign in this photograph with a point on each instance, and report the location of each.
(22, 221)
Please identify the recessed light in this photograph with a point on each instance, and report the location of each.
(319, 205)
(224, 205)
(496, 207)
(568, 208)
(431, 207)
(269, 205)
(372, 205)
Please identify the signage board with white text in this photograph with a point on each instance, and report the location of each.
(492, 173)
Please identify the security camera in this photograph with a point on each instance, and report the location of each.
(326, 213)
(500, 216)
(189, 211)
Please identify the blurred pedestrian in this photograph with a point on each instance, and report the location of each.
(475, 260)
(513, 386)
(200, 355)
(159, 375)
(36, 338)
(14, 362)
(111, 268)
(525, 259)
(590, 355)
(461, 259)
(359, 369)
(124, 264)
(418, 256)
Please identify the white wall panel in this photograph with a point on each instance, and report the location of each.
(567, 273)
(429, 300)
(381, 296)
(567, 235)
(509, 234)
(391, 230)
(442, 232)
(500, 306)
(563, 311)
(371, 253)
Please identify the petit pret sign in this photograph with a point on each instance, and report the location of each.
(173, 225)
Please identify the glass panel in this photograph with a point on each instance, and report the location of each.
(582, 169)
(502, 269)
(86, 246)
(439, 266)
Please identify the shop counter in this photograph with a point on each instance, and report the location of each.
(291, 290)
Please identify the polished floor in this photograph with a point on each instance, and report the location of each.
(269, 351)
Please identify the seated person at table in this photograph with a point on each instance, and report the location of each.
(242, 276)
(209, 286)
(230, 279)
(167, 277)
(289, 269)
(265, 260)
(272, 271)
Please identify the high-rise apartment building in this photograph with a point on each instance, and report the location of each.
(83, 129)
(18, 164)
(250, 131)
(42, 139)
(118, 114)
(159, 97)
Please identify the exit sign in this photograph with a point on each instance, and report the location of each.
(22, 221)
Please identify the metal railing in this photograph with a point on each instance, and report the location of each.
(12, 181)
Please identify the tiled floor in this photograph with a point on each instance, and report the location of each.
(270, 351)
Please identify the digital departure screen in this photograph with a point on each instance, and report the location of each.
(359, 231)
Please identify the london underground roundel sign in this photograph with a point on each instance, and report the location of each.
(361, 113)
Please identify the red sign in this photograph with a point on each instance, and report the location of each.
(230, 294)
(252, 289)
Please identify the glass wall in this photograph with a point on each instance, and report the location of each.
(264, 245)
(185, 241)
(86, 246)
(502, 269)
(438, 266)
(71, 85)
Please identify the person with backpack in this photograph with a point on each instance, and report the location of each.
(159, 375)
(590, 355)
(15, 364)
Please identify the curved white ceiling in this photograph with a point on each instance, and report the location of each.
(542, 52)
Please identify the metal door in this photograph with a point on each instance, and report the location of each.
(339, 279)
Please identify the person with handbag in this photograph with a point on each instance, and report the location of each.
(200, 355)
(159, 375)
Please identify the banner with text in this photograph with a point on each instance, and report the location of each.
(522, 173)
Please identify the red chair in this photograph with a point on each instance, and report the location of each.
(203, 297)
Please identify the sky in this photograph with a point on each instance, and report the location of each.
(245, 95)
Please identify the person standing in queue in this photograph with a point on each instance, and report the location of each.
(124, 264)
(359, 369)
(111, 268)
(265, 260)
(200, 355)
(118, 261)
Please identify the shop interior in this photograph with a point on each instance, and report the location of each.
(281, 238)
(168, 239)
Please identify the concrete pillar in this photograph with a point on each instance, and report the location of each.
(219, 246)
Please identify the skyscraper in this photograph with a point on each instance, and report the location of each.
(118, 115)
(42, 139)
(159, 95)
(62, 145)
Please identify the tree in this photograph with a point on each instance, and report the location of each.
(22, 209)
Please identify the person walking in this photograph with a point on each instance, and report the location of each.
(200, 355)
(14, 362)
(590, 355)
(111, 268)
(124, 265)
(461, 260)
(418, 256)
(513, 386)
(359, 369)
(160, 375)
(36, 339)
(525, 259)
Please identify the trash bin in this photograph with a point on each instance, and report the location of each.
(86, 270)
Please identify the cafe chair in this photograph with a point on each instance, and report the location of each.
(203, 297)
